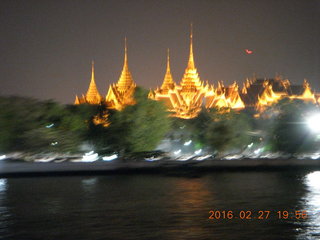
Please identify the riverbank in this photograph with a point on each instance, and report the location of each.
(23, 169)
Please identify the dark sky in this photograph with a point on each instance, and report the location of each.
(46, 47)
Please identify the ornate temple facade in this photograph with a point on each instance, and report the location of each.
(183, 100)
(186, 99)
(261, 93)
(224, 97)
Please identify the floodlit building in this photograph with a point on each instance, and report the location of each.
(261, 93)
(186, 99)
(183, 100)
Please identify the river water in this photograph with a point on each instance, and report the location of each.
(162, 207)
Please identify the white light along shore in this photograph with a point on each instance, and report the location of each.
(20, 169)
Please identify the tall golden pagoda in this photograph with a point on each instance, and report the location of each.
(184, 100)
(121, 93)
(92, 96)
(167, 87)
(191, 80)
(168, 82)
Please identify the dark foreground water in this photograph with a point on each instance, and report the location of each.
(161, 207)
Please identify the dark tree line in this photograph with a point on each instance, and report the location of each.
(46, 126)
(36, 126)
(219, 130)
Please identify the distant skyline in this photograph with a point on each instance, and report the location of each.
(47, 46)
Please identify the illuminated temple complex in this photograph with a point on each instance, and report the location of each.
(186, 99)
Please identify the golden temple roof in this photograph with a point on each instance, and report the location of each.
(125, 80)
(168, 82)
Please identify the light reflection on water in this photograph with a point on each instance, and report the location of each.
(158, 206)
(3, 185)
(4, 214)
(190, 199)
(312, 206)
(89, 183)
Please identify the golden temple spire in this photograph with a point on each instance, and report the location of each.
(92, 87)
(168, 61)
(168, 81)
(121, 94)
(125, 64)
(125, 79)
(92, 70)
(191, 78)
(76, 101)
(191, 60)
(93, 95)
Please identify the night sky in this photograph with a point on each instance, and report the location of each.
(46, 47)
